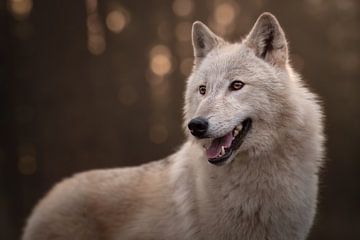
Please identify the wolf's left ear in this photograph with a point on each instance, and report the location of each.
(267, 39)
(203, 40)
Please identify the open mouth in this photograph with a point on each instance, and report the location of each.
(223, 147)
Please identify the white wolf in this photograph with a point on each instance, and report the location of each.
(249, 169)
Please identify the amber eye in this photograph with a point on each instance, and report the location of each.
(236, 85)
(202, 89)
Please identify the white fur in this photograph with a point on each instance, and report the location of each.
(266, 191)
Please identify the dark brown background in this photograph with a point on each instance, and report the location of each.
(75, 95)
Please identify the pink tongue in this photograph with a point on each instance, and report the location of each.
(215, 147)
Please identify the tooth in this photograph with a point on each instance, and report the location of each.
(222, 150)
(236, 132)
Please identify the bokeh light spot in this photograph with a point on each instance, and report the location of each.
(20, 8)
(96, 44)
(116, 21)
(224, 14)
(160, 64)
(160, 60)
(96, 39)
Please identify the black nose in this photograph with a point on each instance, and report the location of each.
(198, 126)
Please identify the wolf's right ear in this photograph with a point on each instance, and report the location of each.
(267, 39)
(203, 40)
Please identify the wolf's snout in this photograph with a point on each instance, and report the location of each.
(198, 126)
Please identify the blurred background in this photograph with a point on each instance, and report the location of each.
(98, 84)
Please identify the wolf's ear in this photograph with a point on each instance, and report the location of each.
(267, 39)
(203, 40)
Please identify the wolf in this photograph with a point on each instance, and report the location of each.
(248, 170)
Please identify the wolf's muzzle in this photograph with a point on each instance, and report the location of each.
(198, 127)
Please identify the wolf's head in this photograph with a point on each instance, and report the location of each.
(238, 96)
